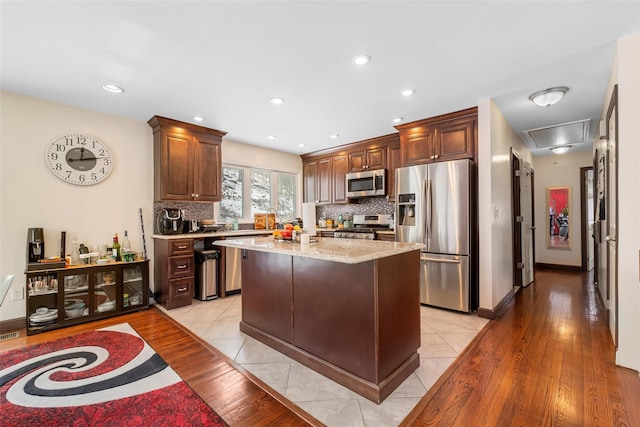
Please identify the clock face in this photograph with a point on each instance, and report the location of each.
(79, 159)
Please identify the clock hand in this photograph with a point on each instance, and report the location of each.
(85, 159)
(81, 153)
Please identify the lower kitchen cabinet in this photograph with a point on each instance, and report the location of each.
(174, 271)
(69, 296)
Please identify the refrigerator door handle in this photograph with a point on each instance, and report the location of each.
(446, 261)
(429, 207)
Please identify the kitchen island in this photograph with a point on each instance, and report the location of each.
(348, 309)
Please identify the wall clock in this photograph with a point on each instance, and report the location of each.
(79, 159)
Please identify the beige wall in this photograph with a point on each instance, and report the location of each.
(495, 140)
(626, 74)
(559, 171)
(31, 196)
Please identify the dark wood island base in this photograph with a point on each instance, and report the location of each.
(357, 324)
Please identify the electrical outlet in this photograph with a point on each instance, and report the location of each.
(17, 294)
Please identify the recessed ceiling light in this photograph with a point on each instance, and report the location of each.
(277, 100)
(198, 118)
(408, 92)
(397, 120)
(361, 59)
(301, 145)
(560, 149)
(271, 137)
(548, 97)
(334, 136)
(112, 88)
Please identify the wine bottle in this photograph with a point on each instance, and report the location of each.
(126, 246)
(117, 254)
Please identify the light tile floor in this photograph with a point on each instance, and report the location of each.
(444, 336)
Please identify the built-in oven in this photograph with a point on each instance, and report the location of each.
(366, 183)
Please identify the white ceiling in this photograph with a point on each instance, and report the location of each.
(224, 60)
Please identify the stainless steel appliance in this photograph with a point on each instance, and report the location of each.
(207, 274)
(233, 270)
(169, 221)
(35, 244)
(366, 183)
(364, 227)
(433, 207)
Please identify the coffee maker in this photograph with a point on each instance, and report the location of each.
(35, 245)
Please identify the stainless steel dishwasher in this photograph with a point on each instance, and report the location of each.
(233, 271)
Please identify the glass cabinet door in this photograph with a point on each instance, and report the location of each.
(76, 295)
(105, 291)
(42, 306)
(132, 286)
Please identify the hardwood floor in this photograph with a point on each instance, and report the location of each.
(548, 360)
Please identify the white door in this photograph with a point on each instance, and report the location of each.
(612, 223)
(526, 209)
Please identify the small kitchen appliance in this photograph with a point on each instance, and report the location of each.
(169, 221)
(35, 245)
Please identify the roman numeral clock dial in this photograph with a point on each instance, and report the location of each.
(79, 159)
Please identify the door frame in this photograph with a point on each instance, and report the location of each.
(584, 218)
(516, 227)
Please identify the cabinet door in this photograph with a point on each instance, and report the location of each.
(357, 161)
(340, 169)
(416, 145)
(134, 286)
(309, 172)
(455, 140)
(394, 162)
(207, 170)
(325, 181)
(176, 167)
(377, 158)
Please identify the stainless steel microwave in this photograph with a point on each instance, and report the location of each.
(366, 183)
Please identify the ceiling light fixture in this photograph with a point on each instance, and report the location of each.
(548, 97)
(397, 120)
(361, 59)
(408, 92)
(277, 100)
(334, 136)
(198, 118)
(272, 137)
(560, 149)
(302, 145)
(112, 88)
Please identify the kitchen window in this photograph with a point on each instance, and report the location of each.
(246, 191)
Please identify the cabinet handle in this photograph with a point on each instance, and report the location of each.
(182, 266)
(182, 247)
(193, 195)
(432, 157)
(184, 288)
(197, 195)
(436, 156)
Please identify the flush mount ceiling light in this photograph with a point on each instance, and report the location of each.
(301, 145)
(361, 59)
(112, 88)
(276, 100)
(548, 97)
(397, 120)
(408, 92)
(271, 137)
(560, 149)
(334, 136)
(198, 118)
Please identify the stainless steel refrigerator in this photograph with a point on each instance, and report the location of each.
(433, 207)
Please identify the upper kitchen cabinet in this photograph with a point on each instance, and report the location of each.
(394, 161)
(448, 137)
(317, 180)
(187, 161)
(368, 159)
(340, 168)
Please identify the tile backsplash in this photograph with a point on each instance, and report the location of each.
(364, 206)
(192, 210)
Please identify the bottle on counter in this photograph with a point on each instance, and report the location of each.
(116, 252)
(235, 224)
(126, 246)
(75, 253)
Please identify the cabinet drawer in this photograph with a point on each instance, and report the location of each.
(181, 266)
(180, 247)
(180, 292)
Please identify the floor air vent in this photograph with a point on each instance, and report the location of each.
(9, 335)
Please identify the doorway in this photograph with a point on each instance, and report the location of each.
(587, 212)
(522, 221)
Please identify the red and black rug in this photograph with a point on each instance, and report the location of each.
(108, 377)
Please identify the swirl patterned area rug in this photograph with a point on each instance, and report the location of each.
(108, 377)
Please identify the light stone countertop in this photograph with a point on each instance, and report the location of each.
(221, 233)
(348, 251)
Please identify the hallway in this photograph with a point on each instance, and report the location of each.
(547, 361)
